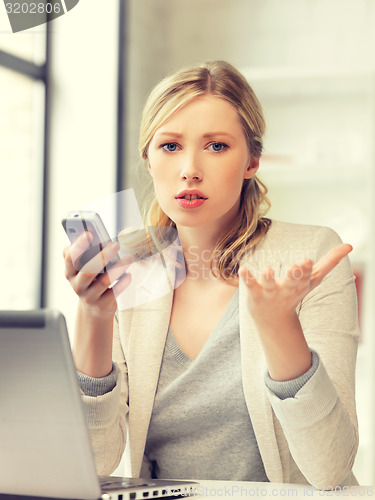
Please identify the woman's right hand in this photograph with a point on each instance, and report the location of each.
(92, 347)
(93, 286)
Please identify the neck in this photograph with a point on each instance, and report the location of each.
(198, 245)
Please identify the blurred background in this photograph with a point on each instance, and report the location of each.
(71, 94)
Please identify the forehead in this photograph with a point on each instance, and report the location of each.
(203, 112)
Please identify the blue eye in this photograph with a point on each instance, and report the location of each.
(171, 147)
(217, 147)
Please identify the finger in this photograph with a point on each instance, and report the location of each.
(79, 246)
(108, 299)
(102, 289)
(249, 279)
(328, 262)
(92, 285)
(268, 280)
(299, 272)
(92, 271)
(123, 263)
(108, 279)
(70, 269)
(96, 265)
(119, 269)
(121, 284)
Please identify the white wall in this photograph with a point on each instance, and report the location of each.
(83, 126)
(292, 36)
(165, 35)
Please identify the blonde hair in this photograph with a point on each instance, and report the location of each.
(220, 79)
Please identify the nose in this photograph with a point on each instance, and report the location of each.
(190, 169)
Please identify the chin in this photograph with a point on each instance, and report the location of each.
(187, 220)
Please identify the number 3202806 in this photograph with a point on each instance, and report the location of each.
(33, 8)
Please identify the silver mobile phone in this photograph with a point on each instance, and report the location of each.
(77, 222)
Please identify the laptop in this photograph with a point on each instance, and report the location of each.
(45, 449)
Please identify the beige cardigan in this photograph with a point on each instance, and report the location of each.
(311, 438)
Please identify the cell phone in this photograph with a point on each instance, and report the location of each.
(77, 222)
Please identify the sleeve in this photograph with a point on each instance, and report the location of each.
(320, 422)
(289, 388)
(106, 414)
(91, 386)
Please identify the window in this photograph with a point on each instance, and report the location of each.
(23, 90)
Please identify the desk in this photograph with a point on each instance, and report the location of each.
(248, 490)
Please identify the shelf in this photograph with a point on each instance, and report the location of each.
(306, 174)
(294, 82)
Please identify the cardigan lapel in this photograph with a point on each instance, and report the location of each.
(148, 330)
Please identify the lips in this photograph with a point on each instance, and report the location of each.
(190, 199)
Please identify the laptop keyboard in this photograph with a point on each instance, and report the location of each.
(118, 483)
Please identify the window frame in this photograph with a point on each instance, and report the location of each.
(41, 73)
(37, 73)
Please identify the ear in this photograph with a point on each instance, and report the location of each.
(149, 168)
(252, 168)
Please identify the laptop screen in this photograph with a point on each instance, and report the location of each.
(44, 443)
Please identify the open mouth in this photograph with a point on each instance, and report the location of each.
(191, 197)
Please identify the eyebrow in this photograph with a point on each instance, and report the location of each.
(208, 135)
(169, 134)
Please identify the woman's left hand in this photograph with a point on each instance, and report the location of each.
(272, 304)
(281, 296)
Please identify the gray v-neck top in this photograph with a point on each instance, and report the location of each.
(200, 426)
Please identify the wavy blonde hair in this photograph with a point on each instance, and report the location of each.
(220, 79)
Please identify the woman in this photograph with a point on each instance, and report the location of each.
(246, 370)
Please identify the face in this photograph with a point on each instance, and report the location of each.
(198, 160)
